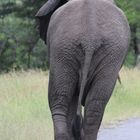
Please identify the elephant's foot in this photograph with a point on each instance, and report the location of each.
(60, 127)
(93, 117)
(61, 137)
(91, 137)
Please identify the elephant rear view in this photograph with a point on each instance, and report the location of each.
(87, 41)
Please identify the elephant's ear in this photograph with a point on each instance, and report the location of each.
(44, 15)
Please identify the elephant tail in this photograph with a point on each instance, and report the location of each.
(77, 123)
(119, 79)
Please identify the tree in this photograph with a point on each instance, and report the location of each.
(19, 28)
(132, 11)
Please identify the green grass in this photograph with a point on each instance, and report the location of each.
(24, 112)
(125, 102)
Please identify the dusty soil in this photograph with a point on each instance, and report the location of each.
(125, 130)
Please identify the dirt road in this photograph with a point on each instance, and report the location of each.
(126, 130)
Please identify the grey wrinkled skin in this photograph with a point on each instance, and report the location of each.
(87, 43)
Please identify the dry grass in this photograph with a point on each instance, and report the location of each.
(24, 113)
(125, 102)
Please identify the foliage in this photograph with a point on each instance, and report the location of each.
(130, 59)
(20, 46)
(132, 11)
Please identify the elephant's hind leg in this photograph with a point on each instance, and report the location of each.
(100, 91)
(62, 86)
(72, 113)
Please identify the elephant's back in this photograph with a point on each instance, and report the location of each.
(87, 21)
(112, 23)
(89, 24)
(72, 22)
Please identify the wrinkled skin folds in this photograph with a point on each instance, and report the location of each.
(87, 41)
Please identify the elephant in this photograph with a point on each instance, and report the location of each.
(87, 42)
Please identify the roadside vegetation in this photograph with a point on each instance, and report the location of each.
(24, 112)
(125, 102)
